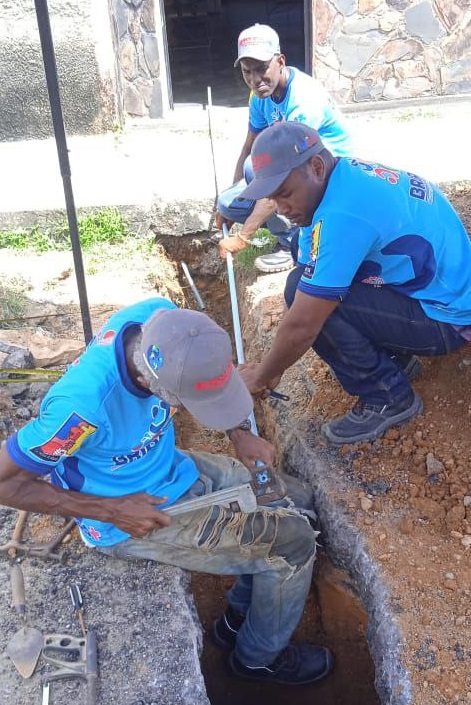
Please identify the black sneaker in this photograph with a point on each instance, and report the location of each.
(366, 422)
(298, 664)
(224, 630)
(277, 260)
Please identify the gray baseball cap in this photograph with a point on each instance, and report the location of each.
(276, 152)
(190, 357)
(259, 42)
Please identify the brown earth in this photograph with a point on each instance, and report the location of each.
(409, 493)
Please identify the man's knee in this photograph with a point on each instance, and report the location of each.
(231, 206)
(295, 539)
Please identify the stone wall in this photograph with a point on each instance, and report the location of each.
(138, 56)
(372, 50)
(83, 47)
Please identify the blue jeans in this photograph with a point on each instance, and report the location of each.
(359, 337)
(272, 550)
(232, 207)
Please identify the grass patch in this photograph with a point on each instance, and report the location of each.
(246, 257)
(12, 303)
(105, 226)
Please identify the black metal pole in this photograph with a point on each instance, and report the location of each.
(50, 69)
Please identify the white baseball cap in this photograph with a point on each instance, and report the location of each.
(259, 42)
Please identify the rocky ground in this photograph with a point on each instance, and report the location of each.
(409, 494)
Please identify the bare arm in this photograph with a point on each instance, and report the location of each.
(263, 210)
(245, 151)
(296, 333)
(135, 514)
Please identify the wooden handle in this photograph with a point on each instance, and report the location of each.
(18, 588)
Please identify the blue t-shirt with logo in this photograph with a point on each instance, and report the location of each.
(98, 433)
(381, 226)
(305, 100)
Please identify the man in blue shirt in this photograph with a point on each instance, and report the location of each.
(387, 274)
(278, 93)
(105, 436)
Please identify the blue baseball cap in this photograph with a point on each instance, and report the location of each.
(276, 152)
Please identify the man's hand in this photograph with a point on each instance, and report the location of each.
(250, 448)
(231, 244)
(136, 513)
(256, 385)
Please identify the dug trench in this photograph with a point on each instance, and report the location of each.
(334, 614)
(390, 594)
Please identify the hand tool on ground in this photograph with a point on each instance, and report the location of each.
(24, 648)
(45, 700)
(77, 602)
(14, 543)
(73, 657)
(46, 551)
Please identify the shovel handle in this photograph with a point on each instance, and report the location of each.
(18, 589)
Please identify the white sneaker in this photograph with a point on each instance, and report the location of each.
(276, 261)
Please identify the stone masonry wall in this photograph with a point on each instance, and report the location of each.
(371, 50)
(138, 57)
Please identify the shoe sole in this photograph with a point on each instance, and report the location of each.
(273, 270)
(415, 409)
(271, 678)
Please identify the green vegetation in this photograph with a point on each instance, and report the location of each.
(99, 227)
(264, 243)
(12, 303)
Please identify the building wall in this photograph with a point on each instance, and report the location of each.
(391, 49)
(138, 52)
(86, 69)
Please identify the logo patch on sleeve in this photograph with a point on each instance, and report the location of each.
(316, 240)
(67, 440)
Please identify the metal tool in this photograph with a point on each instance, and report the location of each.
(265, 487)
(73, 657)
(240, 499)
(77, 601)
(45, 700)
(24, 648)
(11, 547)
(46, 551)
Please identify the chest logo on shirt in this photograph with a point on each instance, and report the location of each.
(162, 415)
(67, 440)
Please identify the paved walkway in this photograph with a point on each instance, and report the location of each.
(171, 160)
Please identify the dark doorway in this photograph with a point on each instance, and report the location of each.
(202, 44)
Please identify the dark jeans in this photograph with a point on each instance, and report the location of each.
(358, 338)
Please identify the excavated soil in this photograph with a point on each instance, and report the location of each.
(409, 493)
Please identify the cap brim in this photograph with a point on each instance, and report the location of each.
(257, 56)
(225, 409)
(261, 188)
